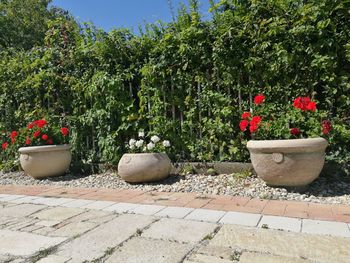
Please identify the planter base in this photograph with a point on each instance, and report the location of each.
(144, 167)
(45, 161)
(291, 163)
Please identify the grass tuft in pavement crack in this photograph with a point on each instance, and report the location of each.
(236, 255)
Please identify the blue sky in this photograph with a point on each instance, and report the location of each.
(108, 14)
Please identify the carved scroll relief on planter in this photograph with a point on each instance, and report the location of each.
(278, 157)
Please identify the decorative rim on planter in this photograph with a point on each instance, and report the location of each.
(294, 163)
(44, 148)
(144, 167)
(45, 161)
(292, 145)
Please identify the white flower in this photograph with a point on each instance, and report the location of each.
(139, 143)
(166, 143)
(155, 139)
(141, 134)
(150, 146)
(132, 142)
(132, 146)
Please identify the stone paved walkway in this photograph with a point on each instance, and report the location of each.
(45, 224)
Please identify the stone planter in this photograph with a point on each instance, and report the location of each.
(294, 163)
(144, 167)
(45, 161)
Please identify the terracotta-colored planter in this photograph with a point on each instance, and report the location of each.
(144, 167)
(294, 163)
(45, 161)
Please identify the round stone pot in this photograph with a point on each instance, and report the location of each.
(144, 167)
(45, 161)
(294, 163)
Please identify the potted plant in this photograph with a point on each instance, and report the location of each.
(287, 147)
(146, 162)
(45, 150)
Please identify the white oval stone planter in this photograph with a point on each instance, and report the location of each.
(144, 167)
(294, 163)
(45, 161)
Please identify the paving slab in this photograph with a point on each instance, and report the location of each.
(140, 250)
(77, 203)
(52, 201)
(249, 257)
(238, 218)
(21, 210)
(148, 209)
(95, 243)
(121, 207)
(281, 223)
(94, 216)
(326, 228)
(53, 259)
(25, 244)
(319, 248)
(216, 251)
(58, 213)
(24, 200)
(44, 231)
(200, 258)
(31, 228)
(47, 222)
(9, 198)
(99, 205)
(21, 223)
(205, 215)
(174, 212)
(179, 230)
(73, 229)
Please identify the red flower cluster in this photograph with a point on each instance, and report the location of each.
(4, 145)
(13, 136)
(295, 131)
(326, 127)
(254, 123)
(37, 132)
(304, 103)
(258, 99)
(37, 123)
(65, 131)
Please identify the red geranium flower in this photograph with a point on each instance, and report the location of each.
(4, 145)
(44, 137)
(246, 115)
(65, 131)
(258, 99)
(253, 127)
(14, 134)
(36, 134)
(28, 141)
(326, 127)
(295, 131)
(304, 103)
(311, 106)
(41, 123)
(255, 120)
(31, 125)
(243, 125)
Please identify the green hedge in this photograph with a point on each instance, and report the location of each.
(187, 81)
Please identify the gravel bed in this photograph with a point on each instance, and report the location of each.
(326, 189)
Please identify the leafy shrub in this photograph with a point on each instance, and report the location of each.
(188, 80)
